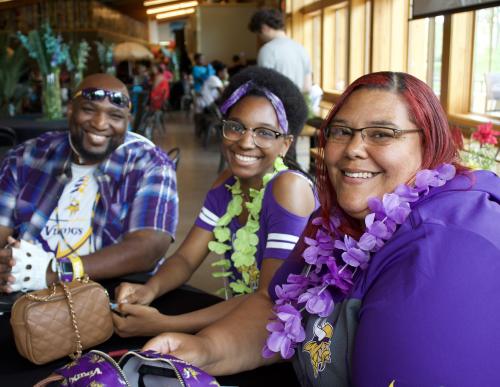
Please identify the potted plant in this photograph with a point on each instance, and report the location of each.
(50, 52)
(481, 151)
(77, 61)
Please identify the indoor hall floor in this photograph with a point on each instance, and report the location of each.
(196, 171)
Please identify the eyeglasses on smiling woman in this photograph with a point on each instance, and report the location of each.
(117, 98)
(375, 135)
(262, 137)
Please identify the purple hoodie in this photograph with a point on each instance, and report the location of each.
(426, 312)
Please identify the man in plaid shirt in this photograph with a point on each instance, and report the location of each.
(97, 200)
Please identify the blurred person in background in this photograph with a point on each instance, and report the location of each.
(279, 52)
(238, 64)
(201, 71)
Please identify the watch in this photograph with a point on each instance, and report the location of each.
(65, 269)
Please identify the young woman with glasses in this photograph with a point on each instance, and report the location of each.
(252, 216)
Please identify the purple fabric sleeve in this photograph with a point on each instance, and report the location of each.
(282, 229)
(430, 305)
(293, 264)
(214, 206)
(433, 310)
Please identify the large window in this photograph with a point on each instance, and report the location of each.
(485, 97)
(335, 47)
(326, 33)
(312, 36)
(425, 49)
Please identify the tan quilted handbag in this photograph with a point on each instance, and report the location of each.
(62, 320)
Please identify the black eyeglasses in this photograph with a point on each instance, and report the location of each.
(262, 137)
(117, 98)
(373, 135)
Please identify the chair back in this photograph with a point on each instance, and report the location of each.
(142, 102)
(174, 154)
(8, 139)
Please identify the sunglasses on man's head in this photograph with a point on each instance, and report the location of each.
(115, 97)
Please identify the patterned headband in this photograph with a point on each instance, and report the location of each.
(244, 89)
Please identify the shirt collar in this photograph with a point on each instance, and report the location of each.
(107, 167)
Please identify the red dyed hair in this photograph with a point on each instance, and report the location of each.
(424, 110)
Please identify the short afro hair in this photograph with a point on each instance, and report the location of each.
(218, 66)
(269, 16)
(289, 94)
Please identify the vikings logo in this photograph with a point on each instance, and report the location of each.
(74, 206)
(188, 372)
(95, 358)
(319, 346)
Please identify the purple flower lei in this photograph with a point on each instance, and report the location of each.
(333, 259)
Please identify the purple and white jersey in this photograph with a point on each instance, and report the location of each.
(279, 229)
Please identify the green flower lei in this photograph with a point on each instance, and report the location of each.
(245, 244)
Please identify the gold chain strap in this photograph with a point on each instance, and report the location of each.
(69, 297)
(32, 297)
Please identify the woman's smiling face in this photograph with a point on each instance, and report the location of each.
(359, 171)
(246, 160)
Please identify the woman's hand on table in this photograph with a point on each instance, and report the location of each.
(138, 320)
(193, 349)
(127, 293)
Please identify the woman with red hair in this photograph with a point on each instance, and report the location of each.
(395, 280)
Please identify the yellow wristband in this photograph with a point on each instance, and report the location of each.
(76, 261)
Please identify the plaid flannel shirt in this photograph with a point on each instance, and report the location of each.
(137, 185)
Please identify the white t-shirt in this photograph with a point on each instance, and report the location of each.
(286, 57)
(211, 90)
(69, 228)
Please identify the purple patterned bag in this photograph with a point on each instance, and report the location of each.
(141, 369)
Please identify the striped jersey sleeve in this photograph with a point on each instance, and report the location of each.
(214, 206)
(282, 227)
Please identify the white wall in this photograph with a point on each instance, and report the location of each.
(164, 32)
(222, 31)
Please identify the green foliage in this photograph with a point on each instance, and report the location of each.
(48, 50)
(105, 55)
(246, 241)
(12, 66)
(78, 56)
(77, 60)
(478, 156)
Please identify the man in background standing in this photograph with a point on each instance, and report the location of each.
(279, 52)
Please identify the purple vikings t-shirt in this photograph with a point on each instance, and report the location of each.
(279, 229)
(426, 312)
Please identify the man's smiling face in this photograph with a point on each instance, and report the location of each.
(97, 127)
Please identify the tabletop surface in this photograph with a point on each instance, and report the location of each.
(17, 371)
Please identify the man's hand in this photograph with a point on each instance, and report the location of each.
(194, 349)
(138, 320)
(31, 266)
(134, 294)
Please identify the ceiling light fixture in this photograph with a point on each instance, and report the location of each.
(169, 15)
(173, 7)
(156, 2)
